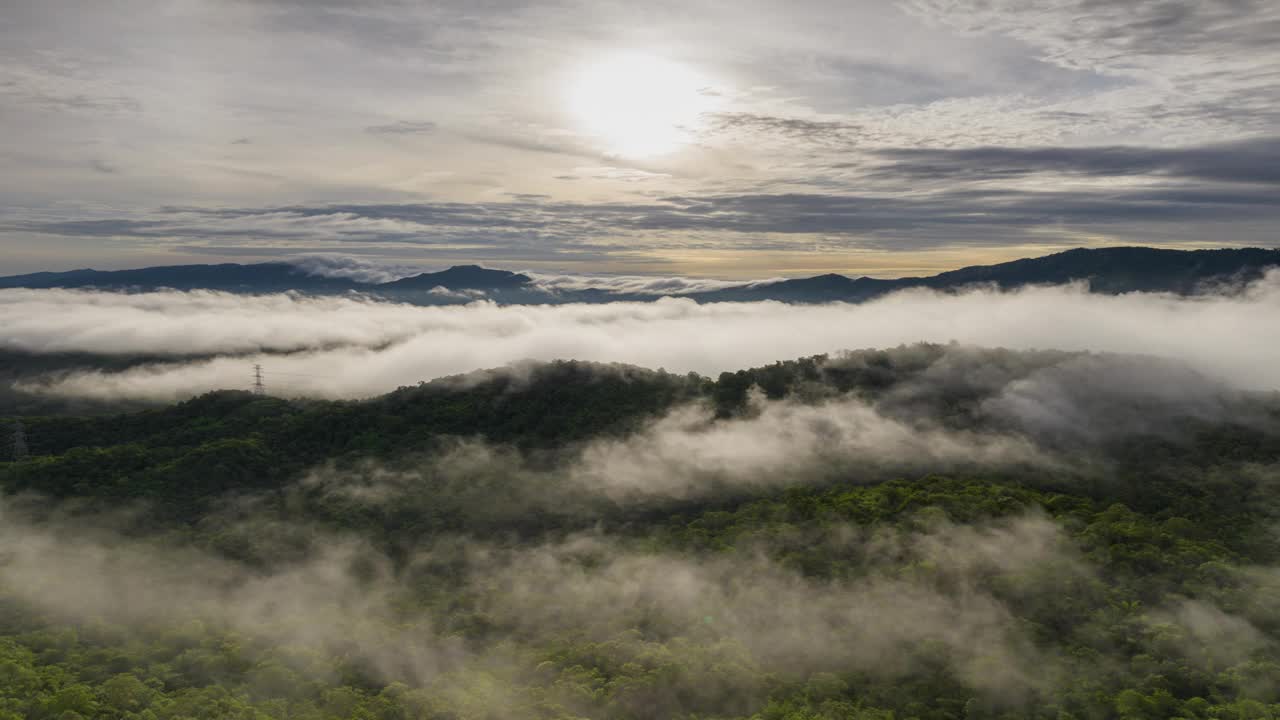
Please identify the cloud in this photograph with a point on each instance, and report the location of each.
(794, 626)
(444, 292)
(358, 269)
(157, 320)
(632, 284)
(1232, 189)
(1245, 161)
(1204, 633)
(1098, 397)
(809, 129)
(53, 100)
(914, 410)
(103, 166)
(358, 347)
(1113, 94)
(1085, 30)
(747, 612)
(403, 127)
(338, 597)
(685, 454)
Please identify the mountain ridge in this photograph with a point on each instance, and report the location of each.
(1106, 270)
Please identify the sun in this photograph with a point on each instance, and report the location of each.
(639, 105)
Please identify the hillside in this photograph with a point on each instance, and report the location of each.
(608, 541)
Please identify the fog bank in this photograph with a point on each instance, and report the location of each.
(355, 347)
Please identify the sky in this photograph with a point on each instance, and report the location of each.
(704, 138)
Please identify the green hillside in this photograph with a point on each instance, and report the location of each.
(569, 540)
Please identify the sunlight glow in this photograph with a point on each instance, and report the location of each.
(639, 105)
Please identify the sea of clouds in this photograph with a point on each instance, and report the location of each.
(352, 346)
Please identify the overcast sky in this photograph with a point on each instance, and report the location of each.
(729, 138)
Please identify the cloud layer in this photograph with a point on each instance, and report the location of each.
(352, 347)
(744, 607)
(834, 132)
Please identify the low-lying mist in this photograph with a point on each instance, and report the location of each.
(743, 608)
(353, 347)
(973, 600)
(1072, 531)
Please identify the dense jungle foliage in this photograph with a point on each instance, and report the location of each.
(435, 552)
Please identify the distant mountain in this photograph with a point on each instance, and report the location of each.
(229, 277)
(821, 288)
(461, 277)
(1106, 270)
(1121, 269)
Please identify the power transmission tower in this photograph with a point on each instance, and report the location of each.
(19, 440)
(258, 387)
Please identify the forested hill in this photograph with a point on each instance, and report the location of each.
(229, 441)
(1105, 270)
(878, 535)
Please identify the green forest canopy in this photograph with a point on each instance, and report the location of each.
(427, 554)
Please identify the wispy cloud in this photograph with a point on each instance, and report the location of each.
(404, 127)
(1244, 161)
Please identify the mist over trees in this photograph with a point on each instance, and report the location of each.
(164, 347)
(926, 531)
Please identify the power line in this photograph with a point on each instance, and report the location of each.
(307, 375)
(259, 386)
